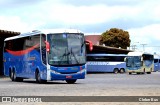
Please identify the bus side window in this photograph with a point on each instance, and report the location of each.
(16, 45)
(8, 45)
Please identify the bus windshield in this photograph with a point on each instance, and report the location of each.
(155, 60)
(66, 49)
(133, 61)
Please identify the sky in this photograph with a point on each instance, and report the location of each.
(141, 18)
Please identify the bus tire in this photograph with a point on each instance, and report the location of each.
(19, 79)
(115, 71)
(143, 71)
(38, 78)
(13, 75)
(122, 70)
(72, 81)
(130, 73)
(150, 71)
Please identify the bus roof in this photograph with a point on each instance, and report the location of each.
(45, 31)
(106, 54)
(137, 53)
(156, 56)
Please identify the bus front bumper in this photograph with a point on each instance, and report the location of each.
(58, 76)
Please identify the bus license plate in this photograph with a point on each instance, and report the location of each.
(69, 76)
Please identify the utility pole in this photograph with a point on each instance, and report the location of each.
(143, 46)
(134, 46)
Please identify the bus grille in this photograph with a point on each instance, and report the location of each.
(68, 73)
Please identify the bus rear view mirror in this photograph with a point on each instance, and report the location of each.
(125, 59)
(90, 44)
(47, 46)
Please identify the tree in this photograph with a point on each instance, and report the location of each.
(115, 38)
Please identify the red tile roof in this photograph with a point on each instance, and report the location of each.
(93, 38)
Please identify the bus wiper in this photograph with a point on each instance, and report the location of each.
(67, 54)
(71, 52)
(62, 57)
(82, 47)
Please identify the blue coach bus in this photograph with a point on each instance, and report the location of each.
(156, 62)
(46, 55)
(106, 63)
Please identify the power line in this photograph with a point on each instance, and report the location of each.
(149, 46)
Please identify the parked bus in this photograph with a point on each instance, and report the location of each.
(156, 62)
(106, 63)
(46, 55)
(139, 62)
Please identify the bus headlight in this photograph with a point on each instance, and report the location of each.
(81, 71)
(54, 72)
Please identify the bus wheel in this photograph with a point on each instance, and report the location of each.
(130, 73)
(13, 75)
(115, 70)
(38, 78)
(19, 79)
(71, 81)
(122, 70)
(150, 71)
(143, 71)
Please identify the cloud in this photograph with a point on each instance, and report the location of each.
(125, 16)
(72, 14)
(99, 2)
(148, 35)
(8, 23)
(66, 13)
(148, 32)
(140, 18)
(14, 23)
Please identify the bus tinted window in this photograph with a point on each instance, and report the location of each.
(15, 45)
(147, 57)
(155, 60)
(105, 58)
(32, 41)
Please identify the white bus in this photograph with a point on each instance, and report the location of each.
(156, 62)
(139, 62)
(106, 63)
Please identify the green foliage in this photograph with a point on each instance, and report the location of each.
(115, 38)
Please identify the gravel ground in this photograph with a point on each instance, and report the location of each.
(103, 84)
